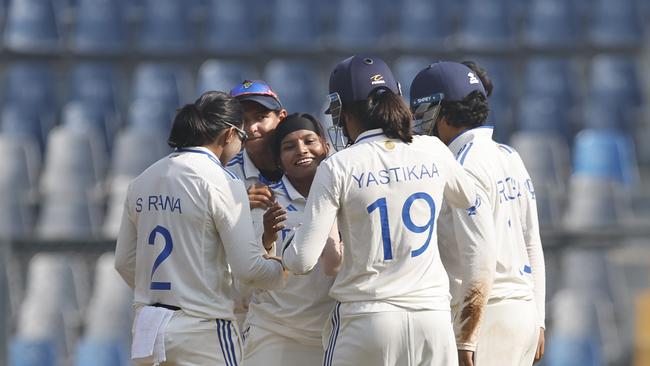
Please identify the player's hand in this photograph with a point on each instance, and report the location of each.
(260, 196)
(539, 353)
(465, 358)
(273, 222)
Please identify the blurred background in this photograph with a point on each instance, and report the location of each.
(89, 87)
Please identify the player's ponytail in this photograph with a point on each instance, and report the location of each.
(386, 110)
(201, 122)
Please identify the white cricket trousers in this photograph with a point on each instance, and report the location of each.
(396, 338)
(192, 341)
(508, 335)
(264, 348)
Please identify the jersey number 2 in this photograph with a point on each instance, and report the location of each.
(167, 250)
(407, 220)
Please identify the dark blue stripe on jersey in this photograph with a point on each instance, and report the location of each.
(235, 161)
(336, 323)
(369, 136)
(291, 208)
(221, 343)
(232, 344)
(464, 152)
(507, 148)
(215, 160)
(527, 269)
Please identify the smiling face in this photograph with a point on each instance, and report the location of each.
(300, 153)
(259, 123)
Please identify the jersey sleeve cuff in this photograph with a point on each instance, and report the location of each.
(466, 346)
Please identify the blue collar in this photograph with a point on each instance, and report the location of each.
(369, 135)
(207, 152)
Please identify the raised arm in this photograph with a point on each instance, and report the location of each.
(244, 252)
(302, 253)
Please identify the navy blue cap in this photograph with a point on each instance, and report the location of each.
(356, 77)
(454, 80)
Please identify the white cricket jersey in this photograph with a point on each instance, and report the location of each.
(186, 230)
(244, 168)
(504, 181)
(300, 309)
(386, 195)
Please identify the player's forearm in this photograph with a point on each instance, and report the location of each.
(263, 273)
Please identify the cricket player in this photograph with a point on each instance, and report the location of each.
(450, 101)
(386, 191)
(284, 327)
(186, 232)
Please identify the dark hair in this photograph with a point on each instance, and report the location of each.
(201, 122)
(278, 136)
(473, 110)
(386, 110)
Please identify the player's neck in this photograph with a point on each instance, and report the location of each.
(302, 185)
(263, 161)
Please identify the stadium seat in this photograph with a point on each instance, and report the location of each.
(594, 203)
(296, 25)
(92, 352)
(616, 24)
(100, 27)
(135, 150)
(109, 312)
(295, 83)
(543, 114)
(551, 24)
(231, 27)
(605, 154)
(97, 84)
(167, 27)
(116, 198)
(607, 116)
(31, 85)
(74, 164)
(223, 75)
(22, 122)
(406, 68)
(69, 217)
(168, 84)
(357, 26)
(615, 80)
(546, 157)
(16, 218)
(151, 117)
(486, 26)
(81, 116)
(27, 352)
(565, 351)
(20, 168)
(424, 24)
(32, 27)
(550, 77)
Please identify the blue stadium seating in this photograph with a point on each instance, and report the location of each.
(16, 218)
(486, 26)
(167, 84)
(294, 81)
(424, 24)
(21, 167)
(551, 24)
(17, 120)
(550, 77)
(405, 70)
(167, 27)
(100, 27)
(223, 75)
(151, 117)
(31, 85)
(96, 84)
(546, 114)
(607, 116)
(605, 154)
(616, 23)
(357, 26)
(296, 25)
(81, 116)
(135, 150)
(615, 80)
(101, 353)
(32, 27)
(72, 217)
(25, 352)
(231, 27)
(75, 163)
